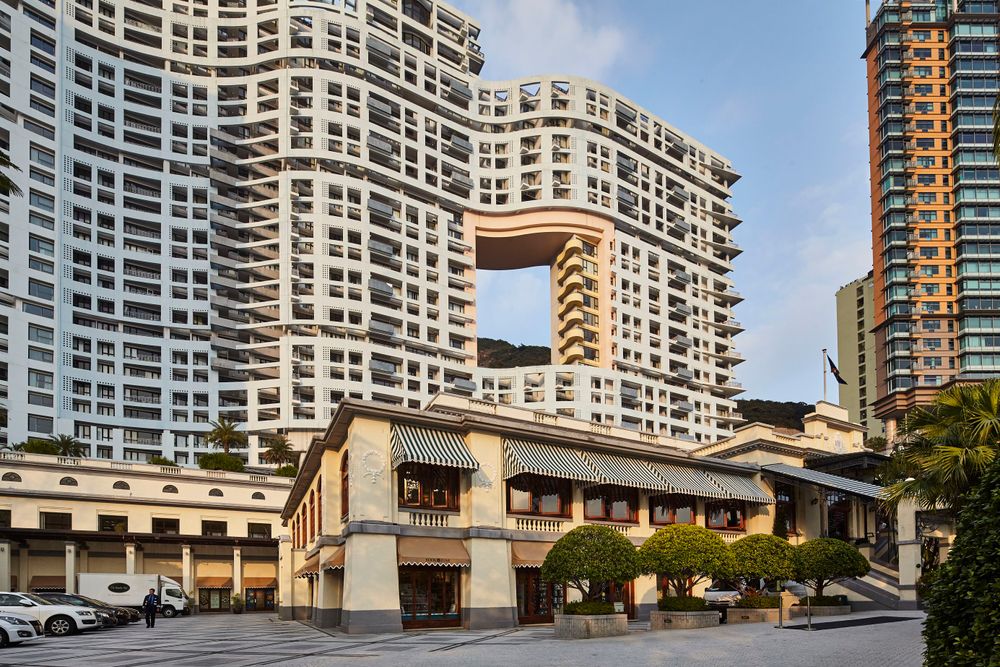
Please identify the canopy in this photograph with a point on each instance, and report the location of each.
(687, 480)
(416, 444)
(260, 582)
(334, 561)
(529, 554)
(739, 487)
(214, 582)
(310, 568)
(48, 583)
(623, 471)
(432, 551)
(525, 456)
(826, 480)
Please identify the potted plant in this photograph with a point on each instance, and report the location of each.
(236, 603)
(586, 559)
(756, 558)
(821, 562)
(685, 555)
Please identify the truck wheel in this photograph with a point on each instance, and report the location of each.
(169, 612)
(60, 626)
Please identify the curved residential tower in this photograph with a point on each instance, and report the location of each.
(254, 209)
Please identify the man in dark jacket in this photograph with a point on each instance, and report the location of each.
(149, 605)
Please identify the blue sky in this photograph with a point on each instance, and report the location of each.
(779, 88)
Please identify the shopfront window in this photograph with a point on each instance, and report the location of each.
(726, 515)
(611, 503)
(535, 494)
(428, 487)
(671, 508)
(429, 597)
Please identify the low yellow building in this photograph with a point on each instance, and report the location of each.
(215, 532)
(405, 518)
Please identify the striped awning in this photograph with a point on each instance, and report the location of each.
(687, 480)
(826, 480)
(739, 487)
(525, 456)
(624, 471)
(417, 444)
(310, 568)
(438, 551)
(529, 554)
(214, 582)
(47, 583)
(334, 561)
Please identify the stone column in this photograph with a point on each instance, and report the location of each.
(71, 567)
(5, 582)
(130, 558)
(238, 570)
(187, 580)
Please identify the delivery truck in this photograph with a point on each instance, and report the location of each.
(128, 590)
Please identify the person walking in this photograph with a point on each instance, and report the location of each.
(149, 605)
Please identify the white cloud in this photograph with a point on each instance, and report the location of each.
(525, 37)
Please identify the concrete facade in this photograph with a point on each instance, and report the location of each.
(856, 352)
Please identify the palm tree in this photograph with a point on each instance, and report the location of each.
(225, 435)
(279, 451)
(946, 447)
(67, 445)
(7, 186)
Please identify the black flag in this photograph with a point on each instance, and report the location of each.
(835, 371)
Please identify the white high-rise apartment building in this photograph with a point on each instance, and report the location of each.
(254, 208)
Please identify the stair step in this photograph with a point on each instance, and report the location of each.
(883, 577)
(872, 592)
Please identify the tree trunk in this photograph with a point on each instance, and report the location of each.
(820, 585)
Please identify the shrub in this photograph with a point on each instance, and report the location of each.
(686, 555)
(963, 603)
(758, 602)
(780, 526)
(37, 446)
(762, 556)
(221, 461)
(823, 600)
(671, 603)
(288, 470)
(162, 461)
(825, 560)
(588, 557)
(589, 608)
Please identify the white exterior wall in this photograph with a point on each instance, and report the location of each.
(225, 254)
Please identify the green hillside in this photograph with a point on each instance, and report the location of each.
(787, 414)
(495, 353)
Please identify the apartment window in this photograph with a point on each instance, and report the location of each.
(428, 486)
(40, 379)
(725, 515)
(40, 424)
(55, 521)
(259, 530)
(41, 290)
(166, 526)
(671, 508)
(41, 246)
(536, 494)
(40, 354)
(43, 335)
(214, 528)
(611, 503)
(109, 523)
(42, 400)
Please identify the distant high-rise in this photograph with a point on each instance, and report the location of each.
(932, 84)
(856, 351)
(256, 208)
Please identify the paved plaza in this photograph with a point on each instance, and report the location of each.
(258, 639)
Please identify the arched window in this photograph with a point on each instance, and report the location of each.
(344, 485)
(319, 506)
(257, 495)
(170, 488)
(122, 485)
(217, 493)
(312, 514)
(11, 477)
(68, 481)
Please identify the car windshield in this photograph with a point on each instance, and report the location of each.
(92, 602)
(36, 599)
(723, 586)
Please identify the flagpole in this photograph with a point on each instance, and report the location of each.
(824, 374)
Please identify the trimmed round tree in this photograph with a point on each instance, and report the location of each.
(686, 555)
(825, 560)
(761, 557)
(963, 603)
(588, 557)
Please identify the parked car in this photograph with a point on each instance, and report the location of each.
(722, 594)
(121, 615)
(16, 628)
(56, 619)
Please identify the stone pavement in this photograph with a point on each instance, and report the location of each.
(226, 640)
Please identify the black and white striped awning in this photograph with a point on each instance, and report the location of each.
(738, 487)
(687, 480)
(417, 444)
(537, 458)
(625, 471)
(826, 480)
